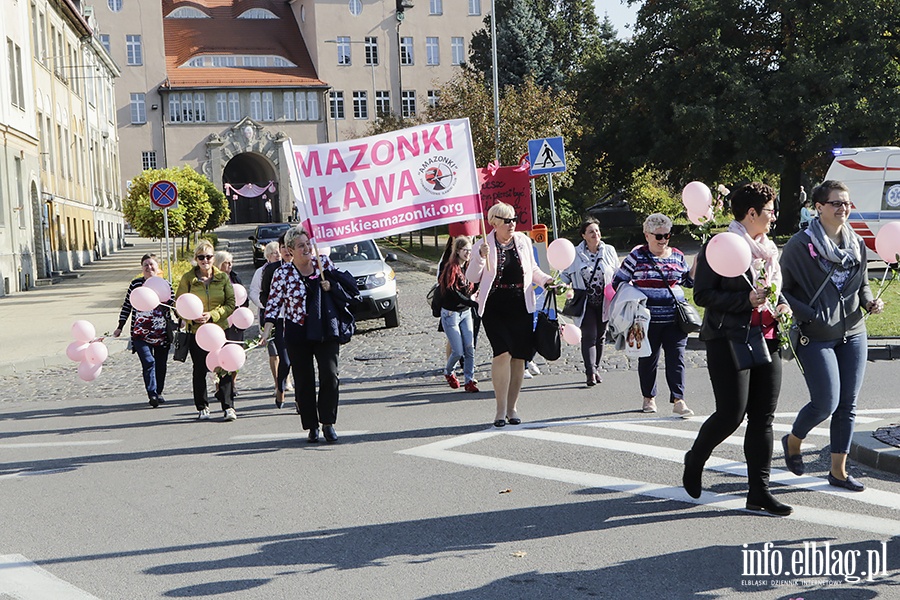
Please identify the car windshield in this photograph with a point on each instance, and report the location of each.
(270, 232)
(356, 251)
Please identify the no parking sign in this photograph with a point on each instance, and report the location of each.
(163, 194)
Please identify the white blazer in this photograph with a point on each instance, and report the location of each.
(477, 273)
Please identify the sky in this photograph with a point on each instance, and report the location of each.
(619, 14)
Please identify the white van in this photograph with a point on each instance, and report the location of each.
(873, 176)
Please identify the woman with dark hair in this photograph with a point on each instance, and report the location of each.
(734, 306)
(149, 334)
(826, 281)
(456, 314)
(593, 268)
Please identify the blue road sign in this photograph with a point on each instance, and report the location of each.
(547, 156)
(163, 194)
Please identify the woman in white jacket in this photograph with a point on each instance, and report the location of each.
(503, 263)
(593, 268)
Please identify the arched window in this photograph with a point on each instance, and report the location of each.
(114, 5)
(258, 13)
(187, 12)
(355, 7)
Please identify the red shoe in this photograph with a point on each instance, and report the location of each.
(452, 380)
(472, 387)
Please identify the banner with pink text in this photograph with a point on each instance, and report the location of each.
(386, 184)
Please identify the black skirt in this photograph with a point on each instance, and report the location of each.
(508, 324)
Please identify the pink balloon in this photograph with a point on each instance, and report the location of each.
(212, 360)
(89, 372)
(75, 351)
(96, 353)
(189, 306)
(571, 333)
(699, 218)
(696, 197)
(242, 318)
(728, 254)
(887, 242)
(232, 357)
(143, 298)
(160, 286)
(83, 331)
(560, 254)
(240, 295)
(210, 337)
(609, 292)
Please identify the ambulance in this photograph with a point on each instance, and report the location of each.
(873, 176)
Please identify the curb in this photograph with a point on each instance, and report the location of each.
(414, 261)
(866, 450)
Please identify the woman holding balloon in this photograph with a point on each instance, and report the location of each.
(504, 266)
(827, 284)
(659, 271)
(150, 329)
(215, 293)
(737, 300)
(591, 271)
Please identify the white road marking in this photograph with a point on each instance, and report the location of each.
(21, 579)
(59, 444)
(688, 434)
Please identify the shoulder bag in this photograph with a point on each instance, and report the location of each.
(748, 348)
(546, 331)
(795, 334)
(434, 299)
(574, 306)
(182, 345)
(687, 317)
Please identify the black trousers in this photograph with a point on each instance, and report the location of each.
(321, 408)
(754, 393)
(225, 393)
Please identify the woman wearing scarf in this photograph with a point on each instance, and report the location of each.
(733, 304)
(826, 281)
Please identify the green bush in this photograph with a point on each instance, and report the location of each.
(649, 193)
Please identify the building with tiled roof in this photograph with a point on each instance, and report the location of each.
(218, 84)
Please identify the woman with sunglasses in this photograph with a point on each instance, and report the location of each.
(826, 281)
(504, 266)
(659, 271)
(732, 305)
(214, 289)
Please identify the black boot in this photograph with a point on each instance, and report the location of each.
(765, 501)
(692, 479)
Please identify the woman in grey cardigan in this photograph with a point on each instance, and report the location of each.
(826, 283)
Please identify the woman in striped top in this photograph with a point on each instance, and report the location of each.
(660, 271)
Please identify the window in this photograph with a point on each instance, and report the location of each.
(371, 51)
(104, 41)
(221, 107)
(35, 40)
(436, 7)
(196, 62)
(312, 106)
(138, 109)
(114, 5)
(433, 97)
(474, 7)
(432, 51)
(337, 105)
(408, 104)
(255, 106)
(148, 160)
(133, 51)
(234, 106)
(382, 103)
(187, 12)
(258, 13)
(343, 50)
(300, 99)
(224, 61)
(457, 51)
(355, 7)
(360, 105)
(16, 84)
(288, 103)
(268, 107)
(200, 107)
(406, 51)
(187, 107)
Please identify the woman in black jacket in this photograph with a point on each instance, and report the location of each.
(456, 314)
(736, 307)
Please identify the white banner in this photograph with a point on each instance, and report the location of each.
(386, 184)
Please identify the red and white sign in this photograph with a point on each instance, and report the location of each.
(386, 184)
(163, 194)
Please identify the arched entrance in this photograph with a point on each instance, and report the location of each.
(255, 169)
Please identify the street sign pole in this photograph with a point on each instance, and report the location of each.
(166, 231)
(552, 206)
(534, 218)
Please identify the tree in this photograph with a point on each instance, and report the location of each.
(218, 202)
(194, 208)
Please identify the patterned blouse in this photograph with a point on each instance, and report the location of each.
(288, 291)
(150, 325)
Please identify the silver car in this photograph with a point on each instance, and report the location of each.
(375, 278)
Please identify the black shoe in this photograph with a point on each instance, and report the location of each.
(590, 380)
(154, 401)
(514, 421)
(298, 407)
(160, 399)
(313, 436)
(329, 433)
(279, 399)
(499, 423)
(692, 479)
(766, 502)
(848, 484)
(794, 462)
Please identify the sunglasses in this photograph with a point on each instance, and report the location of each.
(204, 257)
(837, 204)
(661, 236)
(508, 221)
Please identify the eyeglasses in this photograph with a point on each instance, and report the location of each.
(508, 221)
(837, 204)
(661, 236)
(465, 250)
(204, 257)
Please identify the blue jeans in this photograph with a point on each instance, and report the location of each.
(669, 338)
(458, 328)
(153, 365)
(834, 372)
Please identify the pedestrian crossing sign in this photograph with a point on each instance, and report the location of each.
(547, 156)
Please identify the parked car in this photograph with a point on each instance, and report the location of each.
(262, 236)
(375, 278)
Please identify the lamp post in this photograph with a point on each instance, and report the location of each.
(371, 64)
(496, 81)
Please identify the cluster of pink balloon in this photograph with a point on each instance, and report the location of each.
(211, 337)
(148, 296)
(697, 200)
(561, 254)
(87, 350)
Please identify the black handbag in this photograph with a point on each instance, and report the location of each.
(687, 317)
(574, 306)
(182, 346)
(434, 299)
(748, 348)
(546, 331)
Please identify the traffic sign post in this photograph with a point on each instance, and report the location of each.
(548, 156)
(163, 196)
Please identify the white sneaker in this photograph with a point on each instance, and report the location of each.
(230, 415)
(681, 409)
(527, 374)
(532, 366)
(649, 405)
(204, 414)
